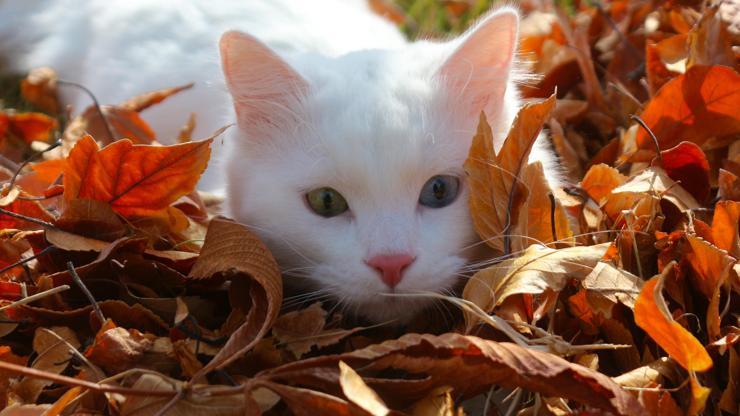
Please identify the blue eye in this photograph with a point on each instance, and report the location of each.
(439, 191)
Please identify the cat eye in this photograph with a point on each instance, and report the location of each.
(326, 202)
(439, 191)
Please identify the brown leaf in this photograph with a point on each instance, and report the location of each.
(230, 249)
(305, 402)
(709, 43)
(191, 404)
(613, 283)
(495, 190)
(74, 242)
(117, 349)
(52, 347)
(91, 218)
(304, 329)
(466, 363)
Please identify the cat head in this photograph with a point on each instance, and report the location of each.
(351, 168)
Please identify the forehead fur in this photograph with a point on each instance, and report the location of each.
(374, 112)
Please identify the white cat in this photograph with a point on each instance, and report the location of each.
(348, 151)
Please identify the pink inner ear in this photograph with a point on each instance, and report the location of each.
(478, 71)
(262, 85)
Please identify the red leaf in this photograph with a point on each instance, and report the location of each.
(687, 164)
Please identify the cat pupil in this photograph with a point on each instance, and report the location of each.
(327, 200)
(439, 189)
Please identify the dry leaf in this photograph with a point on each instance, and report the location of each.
(191, 405)
(538, 269)
(709, 42)
(359, 393)
(613, 283)
(231, 249)
(52, 347)
(495, 189)
(468, 364)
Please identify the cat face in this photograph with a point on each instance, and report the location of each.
(350, 168)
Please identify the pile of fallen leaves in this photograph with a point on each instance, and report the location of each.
(121, 293)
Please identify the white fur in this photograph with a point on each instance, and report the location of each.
(376, 122)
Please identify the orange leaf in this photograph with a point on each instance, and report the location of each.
(600, 180)
(653, 316)
(40, 89)
(27, 126)
(698, 105)
(725, 227)
(699, 396)
(146, 100)
(709, 263)
(24, 207)
(729, 185)
(134, 179)
(49, 170)
(657, 72)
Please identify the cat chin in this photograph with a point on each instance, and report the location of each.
(391, 309)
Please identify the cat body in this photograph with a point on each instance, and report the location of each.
(349, 142)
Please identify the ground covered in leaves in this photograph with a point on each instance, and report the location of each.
(121, 294)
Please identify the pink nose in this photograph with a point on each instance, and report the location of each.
(391, 267)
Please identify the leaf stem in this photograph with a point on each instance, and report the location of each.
(98, 108)
(86, 291)
(27, 259)
(27, 218)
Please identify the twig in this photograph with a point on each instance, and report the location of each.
(107, 388)
(69, 381)
(27, 259)
(650, 133)
(26, 218)
(36, 297)
(169, 405)
(28, 160)
(95, 103)
(86, 291)
(553, 206)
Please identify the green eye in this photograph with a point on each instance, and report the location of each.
(326, 202)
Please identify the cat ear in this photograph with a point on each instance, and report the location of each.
(478, 70)
(262, 85)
